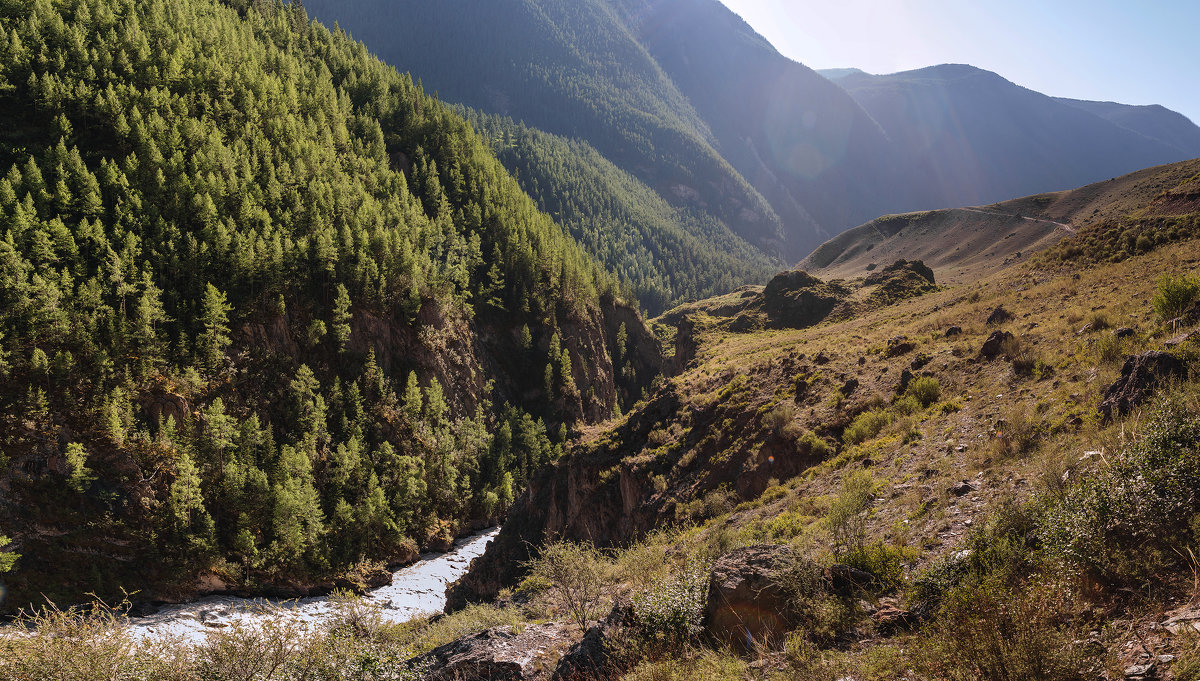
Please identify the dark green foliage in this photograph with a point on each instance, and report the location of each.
(667, 255)
(574, 68)
(1127, 522)
(1114, 241)
(228, 237)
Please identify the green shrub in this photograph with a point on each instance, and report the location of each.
(1003, 635)
(1018, 433)
(884, 563)
(1174, 295)
(866, 426)
(925, 390)
(779, 417)
(1003, 550)
(819, 613)
(1124, 522)
(671, 610)
(1112, 350)
(575, 574)
(907, 404)
(812, 444)
(847, 514)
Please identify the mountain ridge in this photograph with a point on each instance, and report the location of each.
(784, 157)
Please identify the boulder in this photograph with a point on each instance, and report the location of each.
(796, 299)
(846, 580)
(999, 316)
(598, 655)
(1123, 332)
(962, 488)
(889, 619)
(899, 281)
(746, 603)
(1181, 339)
(496, 654)
(1140, 376)
(994, 345)
(954, 331)
(899, 346)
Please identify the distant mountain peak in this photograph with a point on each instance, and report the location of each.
(837, 74)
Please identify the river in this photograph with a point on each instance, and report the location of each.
(417, 589)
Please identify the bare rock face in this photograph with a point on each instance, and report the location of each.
(1140, 376)
(496, 654)
(745, 601)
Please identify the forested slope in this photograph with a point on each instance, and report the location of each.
(666, 255)
(266, 309)
(572, 68)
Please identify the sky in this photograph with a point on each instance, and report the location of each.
(1129, 51)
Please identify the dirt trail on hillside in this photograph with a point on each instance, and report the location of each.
(1065, 226)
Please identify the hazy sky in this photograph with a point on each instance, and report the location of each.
(1129, 51)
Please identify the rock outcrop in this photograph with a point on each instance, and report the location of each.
(598, 655)
(1140, 376)
(791, 300)
(999, 316)
(497, 654)
(994, 345)
(901, 280)
(746, 602)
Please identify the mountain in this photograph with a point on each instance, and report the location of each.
(269, 313)
(571, 68)
(972, 137)
(799, 140)
(988, 238)
(1153, 121)
(900, 476)
(666, 255)
(690, 100)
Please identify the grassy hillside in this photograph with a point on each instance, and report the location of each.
(268, 312)
(961, 244)
(962, 477)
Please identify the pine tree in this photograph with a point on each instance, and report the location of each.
(341, 317)
(214, 319)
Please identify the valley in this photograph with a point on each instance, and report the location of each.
(577, 340)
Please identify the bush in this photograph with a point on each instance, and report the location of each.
(575, 575)
(1174, 295)
(1123, 523)
(996, 634)
(847, 514)
(884, 563)
(812, 444)
(819, 613)
(866, 426)
(780, 416)
(670, 611)
(925, 390)
(1099, 321)
(1112, 350)
(1017, 434)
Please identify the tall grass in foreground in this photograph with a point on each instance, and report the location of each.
(93, 643)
